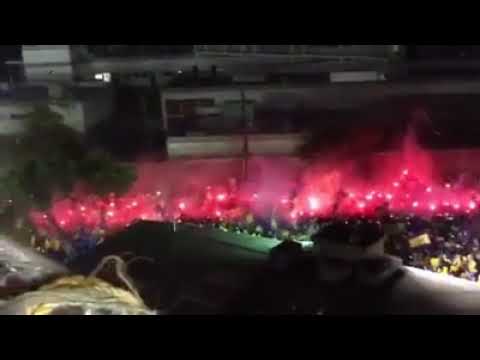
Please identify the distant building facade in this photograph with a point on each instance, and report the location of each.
(68, 63)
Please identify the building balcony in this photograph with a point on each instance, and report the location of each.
(142, 51)
(326, 51)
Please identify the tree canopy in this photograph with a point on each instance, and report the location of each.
(52, 158)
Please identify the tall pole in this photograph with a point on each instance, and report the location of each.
(245, 136)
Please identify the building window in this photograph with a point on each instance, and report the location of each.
(105, 77)
(18, 116)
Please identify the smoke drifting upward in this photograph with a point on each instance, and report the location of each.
(352, 164)
(344, 181)
(415, 158)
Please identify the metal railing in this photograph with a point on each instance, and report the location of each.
(335, 51)
(138, 51)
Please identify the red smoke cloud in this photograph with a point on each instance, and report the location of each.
(349, 180)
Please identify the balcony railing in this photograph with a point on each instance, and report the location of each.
(335, 51)
(138, 51)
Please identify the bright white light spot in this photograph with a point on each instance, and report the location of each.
(182, 206)
(62, 223)
(405, 172)
(284, 201)
(415, 204)
(443, 281)
(448, 186)
(82, 208)
(396, 184)
(361, 205)
(433, 207)
(456, 206)
(389, 196)
(134, 203)
(472, 205)
(307, 244)
(218, 213)
(221, 197)
(105, 77)
(110, 214)
(369, 197)
(158, 193)
(314, 203)
(429, 190)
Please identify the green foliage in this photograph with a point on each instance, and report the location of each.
(46, 153)
(47, 138)
(52, 158)
(11, 189)
(104, 176)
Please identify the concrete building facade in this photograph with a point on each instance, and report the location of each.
(79, 115)
(74, 62)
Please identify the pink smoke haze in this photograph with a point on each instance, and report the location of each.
(406, 182)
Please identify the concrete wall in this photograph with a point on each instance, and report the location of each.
(9, 126)
(46, 54)
(47, 62)
(231, 146)
(78, 115)
(205, 147)
(97, 108)
(49, 72)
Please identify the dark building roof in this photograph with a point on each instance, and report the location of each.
(10, 52)
(428, 52)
